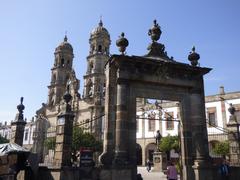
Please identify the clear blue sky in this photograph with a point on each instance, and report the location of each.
(30, 31)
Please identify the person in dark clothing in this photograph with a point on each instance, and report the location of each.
(224, 170)
(149, 165)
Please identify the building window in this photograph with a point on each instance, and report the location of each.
(100, 48)
(169, 121)
(211, 115)
(62, 62)
(137, 124)
(212, 119)
(91, 67)
(89, 88)
(54, 78)
(26, 135)
(151, 121)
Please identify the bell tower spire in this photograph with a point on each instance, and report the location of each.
(94, 80)
(62, 73)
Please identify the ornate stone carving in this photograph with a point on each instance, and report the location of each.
(122, 43)
(193, 57)
(156, 49)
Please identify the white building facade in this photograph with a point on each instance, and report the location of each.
(167, 118)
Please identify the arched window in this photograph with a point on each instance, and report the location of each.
(99, 48)
(91, 67)
(89, 88)
(92, 49)
(54, 78)
(62, 62)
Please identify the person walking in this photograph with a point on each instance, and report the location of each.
(149, 165)
(224, 170)
(172, 172)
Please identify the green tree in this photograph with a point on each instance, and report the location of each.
(168, 143)
(80, 139)
(3, 140)
(221, 148)
(50, 142)
(83, 139)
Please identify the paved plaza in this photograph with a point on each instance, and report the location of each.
(151, 175)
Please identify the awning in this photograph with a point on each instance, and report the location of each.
(8, 148)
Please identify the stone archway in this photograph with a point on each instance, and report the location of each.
(154, 76)
(139, 154)
(149, 150)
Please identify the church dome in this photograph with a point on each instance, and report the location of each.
(100, 30)
(65, 45)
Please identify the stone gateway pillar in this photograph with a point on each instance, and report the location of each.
(18, 125)
(234, 138)
(153, 76)
(121, 146)
(64, 131)
(202, 167)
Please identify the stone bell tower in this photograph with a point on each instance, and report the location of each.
(94, 80)
(62, 74)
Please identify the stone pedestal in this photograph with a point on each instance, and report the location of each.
(159, 161)
(203, 171)
(64, 130)
(233, 137)
(18, 125)
(17, 135)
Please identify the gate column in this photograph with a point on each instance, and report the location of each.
(186, 140)
(121, 147)
(202, 167)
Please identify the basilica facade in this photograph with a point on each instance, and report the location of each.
(88, 107)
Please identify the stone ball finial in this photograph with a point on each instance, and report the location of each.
(155, 32)
(67, 96)
(21, 107)
(193, 57)
(231, 109)
(122, 43)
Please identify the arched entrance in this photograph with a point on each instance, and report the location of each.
(154, 76)
(149, 150)
(139, 154)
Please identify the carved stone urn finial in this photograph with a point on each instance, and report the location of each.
(21, 107)
(155, 32)
(193, 57)
(122, 43)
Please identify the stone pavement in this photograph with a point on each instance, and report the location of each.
(151, 175)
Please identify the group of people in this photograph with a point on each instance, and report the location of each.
(172, 174)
